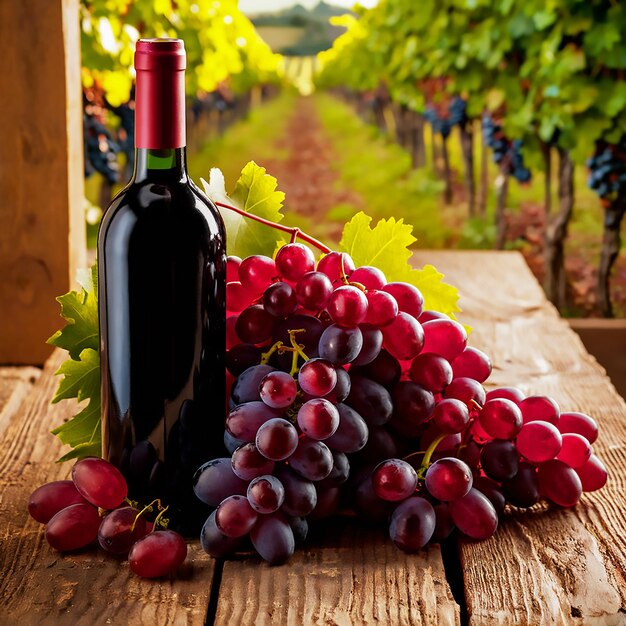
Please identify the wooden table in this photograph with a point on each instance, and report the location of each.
(546, 566)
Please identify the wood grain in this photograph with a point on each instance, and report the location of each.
(545, 566)
(352, 576)
(41, 586)
(42, 218)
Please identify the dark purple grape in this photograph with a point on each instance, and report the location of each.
(492, 491)
(499, 459)
(273, 538)
(279, 300)
(370, 400)
(522, 490)
(246, 387)
(241, 357)
(412, 524)
(340, 345)
(311, 459)
(384, 369)
(254, 324)
(215, 543)
(351, 434)
(413, 406)
(474, 515)
(372, 343)
(300, 494)
(120, 529)
(215, 480)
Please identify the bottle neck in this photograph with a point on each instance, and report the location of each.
(160, 165)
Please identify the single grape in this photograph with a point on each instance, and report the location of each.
(256, 272)
(277, 439)
(246, 387)
(384, 369)
(499, 460)
(539, 441)
(469, 453)
(412, 524)
(501, 418)
(340, 472)
(313, 291)
(444, 526)
(539, 408)
(159, 553)
(294, 260)
(241, 357)
(340, 345)
(368, 276)
(394, 480)
(99, 482)
(522, 490)
(403, 338)
(299, 527)
(232, 268)
(472, 363)
(428, 316)
(215, 480)
(46, 501)
(448, 479)
(235, 517)
(232, 443)
(338, 266)
(370, 400)
(444, 337)
(73, 527)
(575, 450)
(342, 389)
(450, 416)
(431, 371)
(492, 491)
(248, 463)
(351, 434)
(509, 393)
(278, 390)
(347, 306)
(279, 300)
(266, 494)
(317, 377)
(380, 446)
(214, 542)
(120, 529)
(311, 459)
(254, 324)
(382, 308)
(409, 298)
(579, 423)
(559, 483)
(474, 515)
(466, 390)
(237, 297)
(273, 538)
(300, 493)
(328, 501)
(372, 343)
(318, 418)
(412, 407)
(244, 420)
(593, 474)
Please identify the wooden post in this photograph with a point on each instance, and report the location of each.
(42, 220)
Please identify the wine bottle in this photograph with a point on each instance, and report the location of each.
(161, 289)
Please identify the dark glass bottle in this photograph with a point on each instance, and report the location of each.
(162, 278)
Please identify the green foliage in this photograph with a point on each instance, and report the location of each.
(221, 43)
(81, 372)
(255, 192)
(555, 69)
(386, 246)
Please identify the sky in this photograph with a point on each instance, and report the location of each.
(261, 6)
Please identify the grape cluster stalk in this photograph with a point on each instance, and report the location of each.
(93, 507)
(346, 394)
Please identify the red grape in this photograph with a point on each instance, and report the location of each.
(368, 276)
(73, 527)
(572, 422)
(575, 451)
(266, 494)
(450, 416)
(235, 517)
(474, 515)
(317, 377)
(444, 337)
(409, 298)
(559, 483)
(403, 338)
(277, 439)
(248, 463)
(279, 300)
(472, 363)
(120, 529)
(318, 418)
(158, 554)
(539, 408)
(448, 479)
(313, 291)
(46, 501)
(382, 308)
(501, 418)
(232, 268)
(336, 265)
(539, 441)
(256, 272)
(278, 390)
(394, 480)
(593, 474)
(294, 260)
(99, 482)
(347, 306)
(431, 371)
(510, 393)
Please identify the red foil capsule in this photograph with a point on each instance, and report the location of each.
(160, 93)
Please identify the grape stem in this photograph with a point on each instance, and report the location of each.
(429, 453)
(148, 507)
(295, 232)
(160, 520)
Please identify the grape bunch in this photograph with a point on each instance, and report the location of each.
(92, 506)
(607, 175)
(345, 393)
(506, 153)
(445, 116)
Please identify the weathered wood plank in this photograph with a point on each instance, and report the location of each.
(41, 586)
(353, 576)
(547, 566)
(42, 218)
(15, 384)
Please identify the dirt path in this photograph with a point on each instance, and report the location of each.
(307, 175)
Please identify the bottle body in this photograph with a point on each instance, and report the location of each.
(162, 278)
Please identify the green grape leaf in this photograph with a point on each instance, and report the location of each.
(386, 246)
(81, 377)
(80, 310)
(256, 193)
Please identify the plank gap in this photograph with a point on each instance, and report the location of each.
(215, 593)
(454, 575)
